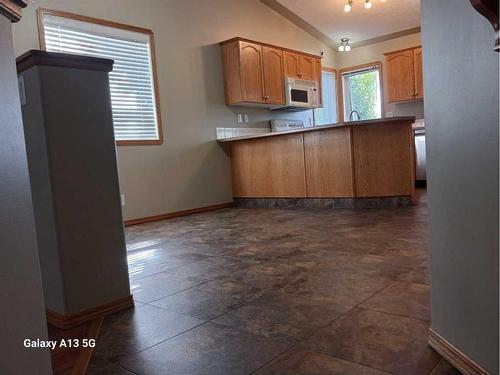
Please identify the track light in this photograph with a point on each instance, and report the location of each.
(348, 6)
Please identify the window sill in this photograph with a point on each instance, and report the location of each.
(140, 143)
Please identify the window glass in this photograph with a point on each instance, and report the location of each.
(328, 114)
(362, 94)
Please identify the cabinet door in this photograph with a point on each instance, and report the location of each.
(274, 77)
(307, 67)
(419, 80)
(252, 89)
(400, 76)
(292, 65)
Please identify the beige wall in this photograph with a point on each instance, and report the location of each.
(189, 170)
(375, 52)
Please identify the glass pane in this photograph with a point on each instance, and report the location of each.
(299, 96)
(364, 95)
(328, 114)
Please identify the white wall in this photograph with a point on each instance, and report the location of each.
(462, 106)
(375, 52)
(190, 169)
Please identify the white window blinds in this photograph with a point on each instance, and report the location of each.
(131, 81)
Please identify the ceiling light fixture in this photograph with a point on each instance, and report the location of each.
(344, 45)
(348, 6)
(350, 3)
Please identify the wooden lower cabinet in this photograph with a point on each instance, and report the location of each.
(269, 167)
(329, 163)
(370, 160)
(383, 160)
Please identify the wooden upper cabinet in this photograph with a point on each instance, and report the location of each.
(419, 79)
(292, 64)
(404, 75)
(274, 82)
(307, 68)
(252, 83)
(254, 73)
(300, 66)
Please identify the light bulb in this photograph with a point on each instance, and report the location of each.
(348, 6)
(368, 4)
(347, 48)
(341, 48)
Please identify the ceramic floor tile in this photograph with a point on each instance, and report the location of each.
(209, 300)
(210, 349)
(401, 298)
(383, 341)
(160, 285)
(444, 368)
(136, 329)
(283, 315)
(110, 369)
(303, 362)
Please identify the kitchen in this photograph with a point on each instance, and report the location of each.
(221, 187)
(287, 81)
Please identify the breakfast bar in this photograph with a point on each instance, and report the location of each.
(347, 164)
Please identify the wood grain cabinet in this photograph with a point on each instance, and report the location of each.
(254, 73)
(404, 75)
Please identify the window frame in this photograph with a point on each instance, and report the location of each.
(379, 66)
(41, 12)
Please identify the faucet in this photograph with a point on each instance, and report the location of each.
(352, 113)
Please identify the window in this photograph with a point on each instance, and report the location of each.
(134, 98)
(327, 114)
(362, 93)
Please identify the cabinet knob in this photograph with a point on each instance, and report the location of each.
(266, 97)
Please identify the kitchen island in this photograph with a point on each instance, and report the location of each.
(334, 165)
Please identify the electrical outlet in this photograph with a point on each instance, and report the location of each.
(122, 198)
(239, 118)
(245, 116)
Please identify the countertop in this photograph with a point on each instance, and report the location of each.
(410, 119)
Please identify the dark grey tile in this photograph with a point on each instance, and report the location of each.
(160, 285)
(444, 368)
(387, 342)
(136, 329)
(209, 300)
(303, 362)
(401, 298)
(210, 349)
(147, 262)
(283, 315)
(110, 369)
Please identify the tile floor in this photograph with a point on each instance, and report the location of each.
(276, 292)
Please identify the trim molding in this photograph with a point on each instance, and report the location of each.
(35, 57)
(300, 22)
(70, 321)
(83, 360)
(172, 215)
(454, 356)
(12, 9)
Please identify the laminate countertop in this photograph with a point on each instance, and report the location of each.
(399, 119)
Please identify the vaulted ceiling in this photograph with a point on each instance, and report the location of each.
(383, 20)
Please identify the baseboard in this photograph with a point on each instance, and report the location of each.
(172, 215)
(70, 321)
(83, 360)
(454, 356)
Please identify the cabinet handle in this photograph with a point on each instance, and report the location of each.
(265, 97)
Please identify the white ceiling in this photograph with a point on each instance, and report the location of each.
(360, 24)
